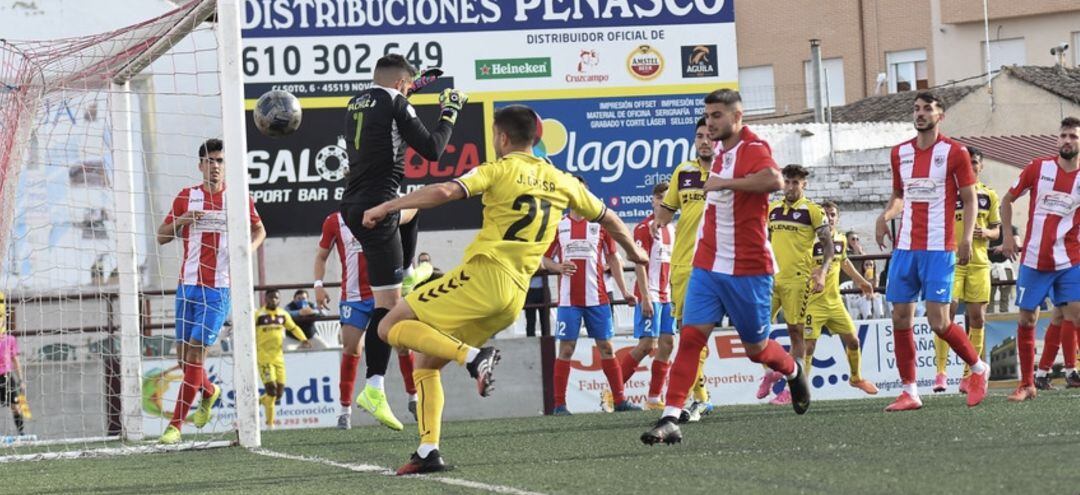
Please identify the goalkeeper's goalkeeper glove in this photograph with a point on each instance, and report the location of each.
(451, 101)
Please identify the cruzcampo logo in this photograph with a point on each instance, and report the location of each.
(513, 68)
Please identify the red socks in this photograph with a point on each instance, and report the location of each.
(207, 385)
(347, 378)
(561, 378)
(405, 362)
(193, 379)
(776, 358)
(904, 340)
(614, 378)
(958, 341)
(1068, 343)
(628, 365)
(659, 376)
(1025, 347)
(684, 370)
(1051, 343)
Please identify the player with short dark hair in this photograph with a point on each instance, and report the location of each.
(379, 124)
(1050, 256)
(931, 175)
(203, 300)
(733, 263)
(271, 322)
(447, 321)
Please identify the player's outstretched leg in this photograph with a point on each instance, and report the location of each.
(426, 458)
(853, 351)
(421, 337)
(373, 397)
(774, 356)
(691, 340)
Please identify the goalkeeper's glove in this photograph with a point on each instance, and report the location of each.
(451, 101)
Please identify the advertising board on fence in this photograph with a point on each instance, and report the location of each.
(310, 400)
(733, 379)
(618, 83)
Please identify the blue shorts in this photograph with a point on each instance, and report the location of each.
(1033, 287)
(200, 313)
(661, 322)
(597, 322)
(928, 274)
(356, 313)
(745, 299)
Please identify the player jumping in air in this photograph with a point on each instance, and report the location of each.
(197, 217)
(733, 263)
(379, 124)
(931, 173)
(971, 284)
(1050, 257)
(271, 322)
(449, 318)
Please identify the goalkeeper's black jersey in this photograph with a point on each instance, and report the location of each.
(379, 123)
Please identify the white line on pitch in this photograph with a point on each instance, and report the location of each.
(371, 468)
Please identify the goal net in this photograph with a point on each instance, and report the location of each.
(98, 135)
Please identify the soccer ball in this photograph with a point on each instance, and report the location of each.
(277, 113)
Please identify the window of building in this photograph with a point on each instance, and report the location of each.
(757, 89)
(907, 70)
(1075, 48)
(832, 77)
(1005, 52)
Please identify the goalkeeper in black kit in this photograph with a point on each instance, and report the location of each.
(379, 124)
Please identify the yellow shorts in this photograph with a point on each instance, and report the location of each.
(680, 278)
(832, 315)
(971, 283)
(791, 296)
(471, 303)
(272, 372)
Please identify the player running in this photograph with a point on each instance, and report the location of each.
(733, 263)
(795, 224)
(654, 325)
(930, 174)
(379, 124)
(198, 217)
(578, 253)
(1050, 258)
(971, 283)
(271, 322)
(687, 197)
(447, 320)
(825, 308)
(354, 308)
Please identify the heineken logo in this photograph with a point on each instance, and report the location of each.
(513, 68)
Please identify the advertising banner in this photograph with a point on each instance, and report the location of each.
(310, 400)
(733, 379)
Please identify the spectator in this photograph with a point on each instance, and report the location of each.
(537, 294)
(1001, 269)
(423, 258)
(305, 313)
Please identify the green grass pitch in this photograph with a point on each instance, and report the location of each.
(837, 447)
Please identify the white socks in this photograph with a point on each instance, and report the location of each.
(672, 412)
(471, 354)
(425, 449)
(912, 389)
(979, 368)
(376, 381)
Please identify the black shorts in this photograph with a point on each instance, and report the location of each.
(381, 245)
(9, 389)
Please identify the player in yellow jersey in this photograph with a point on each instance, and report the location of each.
(826, 309)
(447, 320)
(686, 196)
(271, 322)
(795, 223)
(971, 282)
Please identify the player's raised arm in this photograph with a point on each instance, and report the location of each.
(429, 196)
(615, 227)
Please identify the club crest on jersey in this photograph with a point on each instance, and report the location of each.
(796, 215)
(594, 229)
(728, 159)
(939, 160)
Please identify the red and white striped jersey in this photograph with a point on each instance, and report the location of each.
(659, 268)
(354, 274)
(1051, 241)
(586, 245)
(930, 180)
(728, 212)
(206, 252)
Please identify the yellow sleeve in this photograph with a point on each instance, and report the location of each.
(479, 179)
(295, 330)
(672, 200)
(817, 216)
(582, 201)
(994, 217)
(843, 243)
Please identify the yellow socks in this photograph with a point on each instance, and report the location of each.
(429, 396)
(424, 338)
(854, 359)
(941, 354)
(699, 390)
(808, 364)
(268, 403)
(977, 336)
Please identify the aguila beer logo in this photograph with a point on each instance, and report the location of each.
(645, 63)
